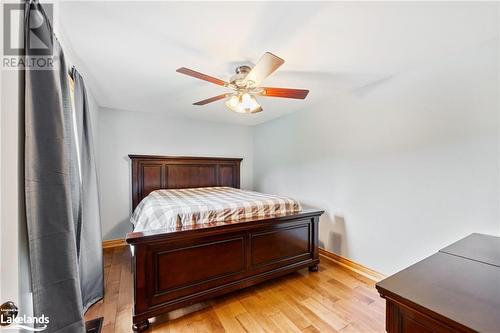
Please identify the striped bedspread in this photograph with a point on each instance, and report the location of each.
(176, 208)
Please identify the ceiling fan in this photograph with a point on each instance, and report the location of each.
(246, 85)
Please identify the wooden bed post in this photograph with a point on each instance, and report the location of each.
(315, 235)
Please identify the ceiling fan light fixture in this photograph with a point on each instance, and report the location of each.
(243, 103)
(233, 101)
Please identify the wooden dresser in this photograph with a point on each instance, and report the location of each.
(454, 290)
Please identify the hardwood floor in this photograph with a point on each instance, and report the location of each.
(331, 300)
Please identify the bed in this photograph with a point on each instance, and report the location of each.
(189, 209)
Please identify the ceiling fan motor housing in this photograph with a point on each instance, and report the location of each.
(243, 69)
(241, 73)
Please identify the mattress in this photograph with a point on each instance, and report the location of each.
(165, 209)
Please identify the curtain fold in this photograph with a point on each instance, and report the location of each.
(89, 241)
(51, 171)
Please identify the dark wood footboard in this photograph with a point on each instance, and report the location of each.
(176, 268)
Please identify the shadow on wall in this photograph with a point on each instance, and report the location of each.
(337, 236)
(336, 241)
(122, 228)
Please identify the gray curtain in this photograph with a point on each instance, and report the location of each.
(89, 241)
(51, 171)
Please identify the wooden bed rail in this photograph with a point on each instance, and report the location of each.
(212, 228)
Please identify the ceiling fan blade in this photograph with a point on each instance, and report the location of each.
(210, 100)
(284, 92)
(264, 67)
(201, 76)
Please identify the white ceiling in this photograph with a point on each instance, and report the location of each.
(128, 51)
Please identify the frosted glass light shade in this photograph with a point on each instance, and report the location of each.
(244, 103)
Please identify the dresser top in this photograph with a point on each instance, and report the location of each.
(459, 284)
(479, 247)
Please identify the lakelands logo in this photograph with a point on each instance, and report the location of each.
(9, 319)
(38, 53)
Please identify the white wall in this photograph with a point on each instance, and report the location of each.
(402, 167)
(124, 132)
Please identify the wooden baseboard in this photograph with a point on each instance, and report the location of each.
(112, 243)
(353, 266)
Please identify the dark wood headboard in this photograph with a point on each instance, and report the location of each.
(151, 173)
